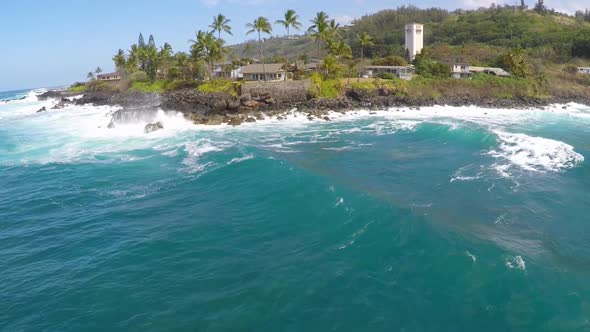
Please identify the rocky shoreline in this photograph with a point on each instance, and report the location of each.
(220, 108)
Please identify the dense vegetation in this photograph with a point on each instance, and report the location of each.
(535, 45)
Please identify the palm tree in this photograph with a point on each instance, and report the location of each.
(366, 41)
(98, 70)
(90, 76)
(260, 25)
(133, 59)
(516, 61)
(291, 20)
(340, 50)
(182, 63)
(220, 24)
(207, 48)
(152, 61)
(120, 60)
(319, 29)
(165, 58)
(333, 30)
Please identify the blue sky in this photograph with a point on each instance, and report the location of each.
(55, 42)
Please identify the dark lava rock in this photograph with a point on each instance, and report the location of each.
(235, 121)
(250, 120)
(151, 127)
(42, 109)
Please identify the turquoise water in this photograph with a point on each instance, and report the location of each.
(443, 219)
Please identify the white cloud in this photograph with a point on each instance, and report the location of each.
(344, 19)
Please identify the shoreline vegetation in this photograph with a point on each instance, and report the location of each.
(539, 47)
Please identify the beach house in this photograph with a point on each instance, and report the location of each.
(465, 71)
(461, 71)
(584, 70)
(403, 72)
(109, 77)
(257, 72)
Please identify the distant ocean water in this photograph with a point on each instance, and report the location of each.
(442, 219)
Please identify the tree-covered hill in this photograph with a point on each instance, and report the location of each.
(498, 27)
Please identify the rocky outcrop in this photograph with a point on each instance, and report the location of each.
(126, 99)
(151, 127)
(57, 94)
(42, 109)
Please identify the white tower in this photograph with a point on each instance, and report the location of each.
(414, 39)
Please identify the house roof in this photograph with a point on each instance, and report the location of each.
(496, 71)
(270, 68)
(108, 74)
(388, 67)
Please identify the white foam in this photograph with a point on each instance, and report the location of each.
(516, 263)
(241, 159)
(470, 255)
(535, 154)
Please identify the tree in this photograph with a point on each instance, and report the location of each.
(90, 76)
(98, 70)
(515, 61)
(152, 61)
(426, 67)
(141, 41)
(365, 41)
(540, 7)
(340, 50)
(332, 67)
(319, 29)
(523, 5)
(120, 60)
(205, 47)
(220, 24)
(260, 25)
(165, 59)
(291, 20)
(392, 60)
(581, 45)
(151, 41)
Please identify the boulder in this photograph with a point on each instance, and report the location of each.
(151, 127)
(233, 104)
(235, 121)
(245, 97)
(42, 109)
(250, 103)
(220, 105)
(250, 120)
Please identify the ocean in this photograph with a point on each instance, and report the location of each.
(438, 219)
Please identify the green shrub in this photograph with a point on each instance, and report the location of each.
(149, 87)
(139, 76)
(387, 76)
(188, 84)
(223, 86)
(321, 88)
(78, 88)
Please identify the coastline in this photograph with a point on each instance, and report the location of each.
(222, 108)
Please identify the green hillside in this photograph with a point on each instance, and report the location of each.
(556, 35)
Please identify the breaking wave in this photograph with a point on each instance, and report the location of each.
(535, 154)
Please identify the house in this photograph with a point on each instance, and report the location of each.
(226, 72)
(109, 77)
(256, 72)
(403, 72)
(465, 71)
(490, 71)
(461, 71)
(414, 39)
(309, 67)
(584, 70)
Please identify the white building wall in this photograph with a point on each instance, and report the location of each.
(414, 39)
